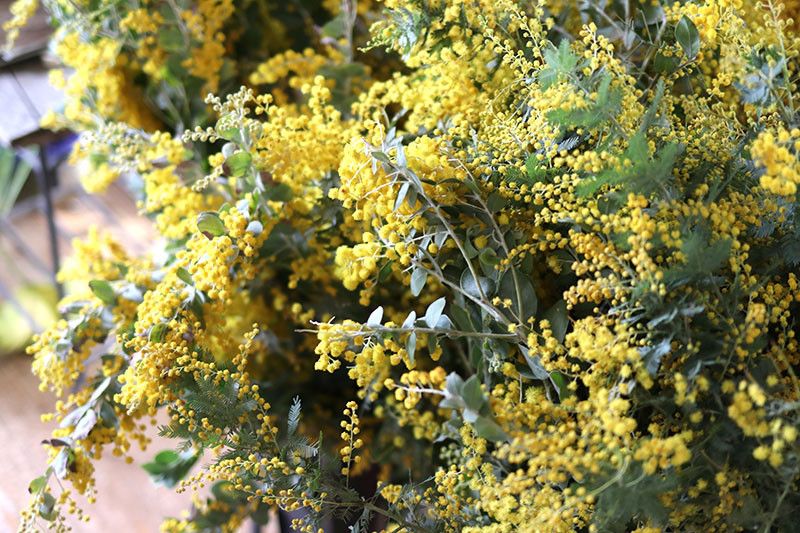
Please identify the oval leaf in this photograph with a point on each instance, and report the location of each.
(376, 317)
(688, 37)
(411, 346)
(185, 276)
(409, 321)
(385, 271)
(473, 394)
(434, 312)
(473, 287)
(102, 289)
(85, 425)
(255, 227)
(524, 304)
(418, 279)
(37, 484)
(210, 225)
(488, 429)
(239, 163)
(46, 507)
(158, 333)
(559, 319)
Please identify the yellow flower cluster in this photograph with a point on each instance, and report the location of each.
(775, 152)
(558, 244)
(349, 436)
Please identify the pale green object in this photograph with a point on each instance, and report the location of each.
(16, 330)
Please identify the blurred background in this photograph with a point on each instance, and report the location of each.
(42, 209)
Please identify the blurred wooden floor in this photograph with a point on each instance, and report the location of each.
(126, 501)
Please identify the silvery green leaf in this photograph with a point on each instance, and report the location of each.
(376, 317)
(433, 312)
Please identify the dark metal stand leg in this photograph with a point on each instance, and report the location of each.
(44, 177)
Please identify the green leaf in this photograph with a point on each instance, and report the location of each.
(652, 355)
(606, 105)
(102, 289)
(703, 257)
(453, 388)
(411, 346)
(262, 515)
(474, 287)
(489, 257)
(230, 134)
(471, 185)
(158, 332)
(166, 457)
(433, 343)
(185, 276)
(537, 370)
(535, 172)
(385, 271)
(688, 37)
(100, 389)
(380, 156)
(434, 312)
(173, 71)
(418, 278)
(281, 192)
(790, 247)
(46, 507)
(469, 415)
(452, 402)
(37, 484)
(666, 316)
(473, 394)
(488, 429)
(401, 195)
(224, 491)
(462, 318)
(62, 461)
(171, 39)
(400, 156)
(411, 198)
(558, 317)
(239, 163)
(560, 382)
(560, 60)
(652, 110)
(168, 467)
(547, 77)
(342, 71)
(454, 385)
(335, 27)
(643, 175)
(72, 418)
(495, 202)
(470, 250)
(665, 64)
(525, 304)
(754, 90)
(228, 149)
(210, 225)
(12, 178)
